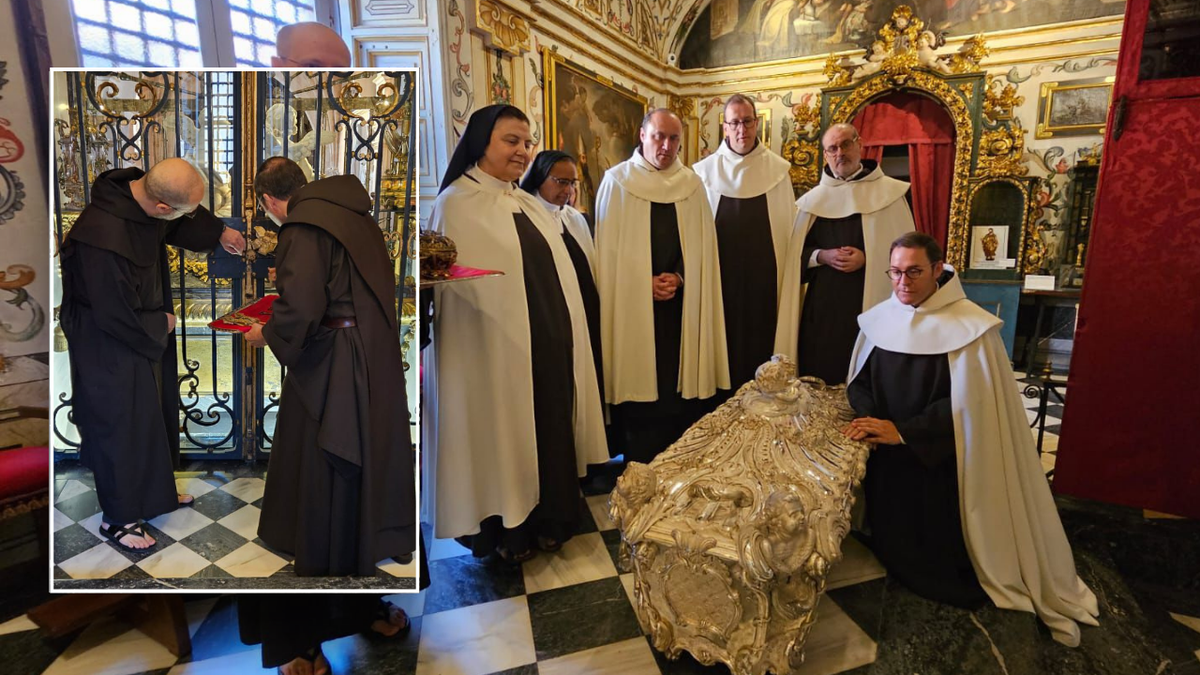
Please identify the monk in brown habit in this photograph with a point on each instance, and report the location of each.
(340, 491)
(118, 318)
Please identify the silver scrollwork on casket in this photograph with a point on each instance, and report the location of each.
(731, 531)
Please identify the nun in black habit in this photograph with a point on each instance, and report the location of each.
(513, 412)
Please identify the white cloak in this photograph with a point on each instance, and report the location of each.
(885, 216)
(1010, 523)
(479, 447)
(626, 297)
(728, 174)
(573, 222)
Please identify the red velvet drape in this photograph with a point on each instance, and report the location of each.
(925, 127)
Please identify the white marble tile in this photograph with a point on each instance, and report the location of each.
(413, 604)
(395, 569)
(17, 625)
(173, 562)
(246, 489)
(1189, 621)
(197, 611)
(1048, 460)
(181, 522)
(72, 488)
(598, 505)
(99, 562)
(477, 640)
(92, 524)
(188, 484)
(584, 558)
(631, 657)
(447, 548)
(835, 643)
(244, 521)
(251, 560)
(59, 520)
(249, 661)
(858, 565)
(1050, 443)
(110, 647)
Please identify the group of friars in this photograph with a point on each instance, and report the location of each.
(613, 339)
(340, 493)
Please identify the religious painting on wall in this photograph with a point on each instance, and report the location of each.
(593, 119)
(766, 30)
(1073, 108)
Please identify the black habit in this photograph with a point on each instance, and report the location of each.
(648, 428)
(557, 514)
(748, 284)
(911, 490)
(116, 295)
(340, 491)
(832, 300)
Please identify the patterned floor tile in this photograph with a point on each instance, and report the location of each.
(580, 617)
(476, 640)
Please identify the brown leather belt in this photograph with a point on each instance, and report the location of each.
(339, 322)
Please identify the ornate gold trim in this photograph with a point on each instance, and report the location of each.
(1046, 103)
(943, 92)
(503, 28)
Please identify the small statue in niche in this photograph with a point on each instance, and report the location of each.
(990, 243)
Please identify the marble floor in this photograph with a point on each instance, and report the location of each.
(211, 545)
(570, 613)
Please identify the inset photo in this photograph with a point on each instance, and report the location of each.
(234, 319)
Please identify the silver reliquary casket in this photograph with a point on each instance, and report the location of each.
(730, 532)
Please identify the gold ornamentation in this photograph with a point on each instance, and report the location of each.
(438, 254)
(844, 109)
(967, 89)
(683, 106)
(1000, 101)
(507, 30)
(902, 46)
(730, 533)
(1002, 151)
(969, 56)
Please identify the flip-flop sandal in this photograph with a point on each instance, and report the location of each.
(508, 556)
(549, 545)
(384, 614)
(115, 533)
(311, 656)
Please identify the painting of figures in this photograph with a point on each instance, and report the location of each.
(767, 30)
(591, 118)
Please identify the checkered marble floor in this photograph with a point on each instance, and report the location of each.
(212, 544)
(1054, 412)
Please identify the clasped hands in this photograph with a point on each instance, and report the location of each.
(872, 430)
(844, 259)
(665, 285)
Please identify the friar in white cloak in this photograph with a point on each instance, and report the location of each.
(661, 318)
(750, 192)
(956, 499)
(836, 256)
(513, 413)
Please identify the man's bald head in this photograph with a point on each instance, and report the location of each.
(310, 45)
(175, 186)
(660, 137)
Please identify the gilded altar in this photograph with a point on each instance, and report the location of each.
(732, 531)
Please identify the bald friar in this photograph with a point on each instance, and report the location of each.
(309, 44)
(661, 318)
(117, 316)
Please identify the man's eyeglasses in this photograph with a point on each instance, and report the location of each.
(840, 147)
(912, 273)
(191, 213)
(565, 182)
(746, 122)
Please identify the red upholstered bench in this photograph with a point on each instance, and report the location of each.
(25, 481)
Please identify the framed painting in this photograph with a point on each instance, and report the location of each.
(590, 117)
(1074, 108)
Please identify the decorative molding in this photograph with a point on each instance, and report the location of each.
(501, 27)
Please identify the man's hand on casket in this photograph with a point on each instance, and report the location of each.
(872, 430)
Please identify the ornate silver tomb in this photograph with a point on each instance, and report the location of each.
(731, 531)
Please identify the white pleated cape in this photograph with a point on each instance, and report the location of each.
(728, 174)
(573, 221)
(626, 297)
(479, 448)
(1010, 523)
(885, 216)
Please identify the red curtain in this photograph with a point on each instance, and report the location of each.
(926, 129)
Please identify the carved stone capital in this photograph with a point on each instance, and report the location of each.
(502, 26)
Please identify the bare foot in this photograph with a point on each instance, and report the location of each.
(132, 540)
(302, 666)
(185, 499)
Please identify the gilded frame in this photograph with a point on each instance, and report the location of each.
(1053, 94)
(555, 66)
